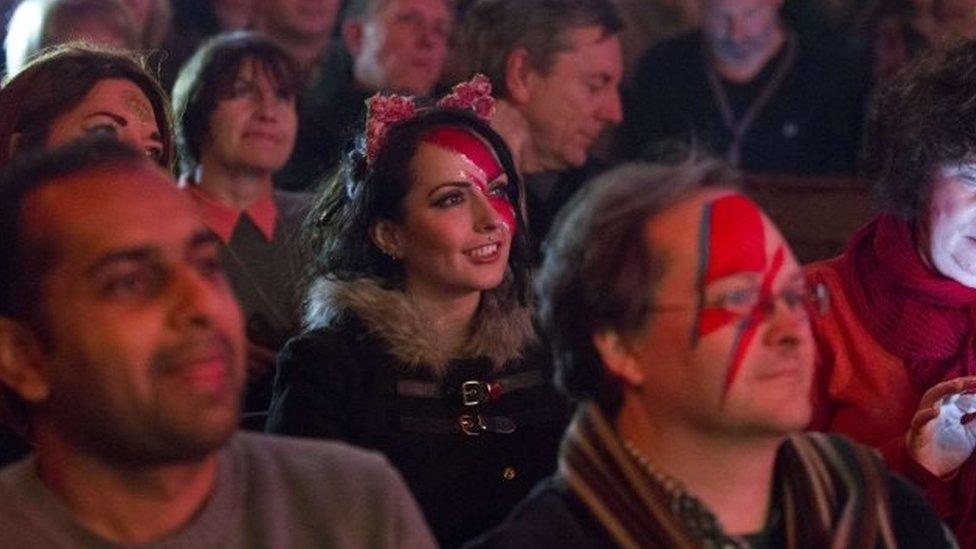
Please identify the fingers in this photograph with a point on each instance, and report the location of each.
(941, 390)
(924, 416)
(966, 402)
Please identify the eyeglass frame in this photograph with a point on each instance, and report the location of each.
(814, 299)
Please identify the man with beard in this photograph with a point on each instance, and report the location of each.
(122, 348)
(746, 86)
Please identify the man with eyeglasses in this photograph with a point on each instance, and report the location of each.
(679, 320)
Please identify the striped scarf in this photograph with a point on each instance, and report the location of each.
(832, 493)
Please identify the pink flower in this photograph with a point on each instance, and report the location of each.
(474, 94)
(381, 112)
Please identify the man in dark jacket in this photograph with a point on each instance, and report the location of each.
(747, 86)
(690, 351)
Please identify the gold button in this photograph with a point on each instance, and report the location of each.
(509, 473)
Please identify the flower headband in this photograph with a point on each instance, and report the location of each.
(382, 111)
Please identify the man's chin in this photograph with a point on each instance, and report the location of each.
(573, 160)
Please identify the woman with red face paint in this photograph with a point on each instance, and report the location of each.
(420, 343)
(898, 347)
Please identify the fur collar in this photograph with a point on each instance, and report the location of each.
(502, 329)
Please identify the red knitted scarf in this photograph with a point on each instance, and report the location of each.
(923, 318)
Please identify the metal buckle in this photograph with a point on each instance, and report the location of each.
(474, 393)
(472, 425)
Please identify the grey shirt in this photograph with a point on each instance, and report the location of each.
(270, 492)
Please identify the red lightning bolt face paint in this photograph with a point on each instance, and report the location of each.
(732, 241)
(479, 153)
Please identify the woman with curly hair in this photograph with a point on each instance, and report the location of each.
(898, 347)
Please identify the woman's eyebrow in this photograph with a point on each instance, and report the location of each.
(457, 184)
(120, 120)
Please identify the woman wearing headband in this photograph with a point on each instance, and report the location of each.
(421, 344)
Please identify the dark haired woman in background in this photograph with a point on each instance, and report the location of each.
(74, 90)
(420, 342)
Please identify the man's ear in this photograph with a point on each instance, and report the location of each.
(386, 235)
(21, 362)
(352, 36)
(617, 357)
(518, 72)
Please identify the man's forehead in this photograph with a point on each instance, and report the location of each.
(106, 207)
(399, 5)
(709, 221)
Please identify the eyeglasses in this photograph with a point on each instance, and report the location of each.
(746, 301)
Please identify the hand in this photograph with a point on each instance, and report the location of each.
(260, 361)
(938, 439)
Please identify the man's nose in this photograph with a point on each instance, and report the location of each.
(788, 324)
(735, 28)
(612, 110)
(195, 298)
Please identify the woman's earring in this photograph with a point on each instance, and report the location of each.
(392, 255)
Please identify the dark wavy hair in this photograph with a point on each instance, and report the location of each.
(58, 80)
(337, 233)
(922, 119)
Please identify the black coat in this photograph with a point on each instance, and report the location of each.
(351, 380)
(554, 516)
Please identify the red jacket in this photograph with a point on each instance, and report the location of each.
(863, 391)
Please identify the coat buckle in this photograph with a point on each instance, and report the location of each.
(472, 425)
(474, 393)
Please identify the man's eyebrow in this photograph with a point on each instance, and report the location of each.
(741, 276)
(136, 253)
(796, 278)
(203, 237)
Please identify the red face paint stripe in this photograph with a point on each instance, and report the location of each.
(755, 318)
(480, 154)
(736, 243)
(737, 238)
(466, 143)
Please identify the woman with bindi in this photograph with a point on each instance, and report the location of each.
(74, 91)
(897, 351)
(68, 93)
(419, 341)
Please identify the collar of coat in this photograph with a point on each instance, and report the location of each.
(501, 331)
